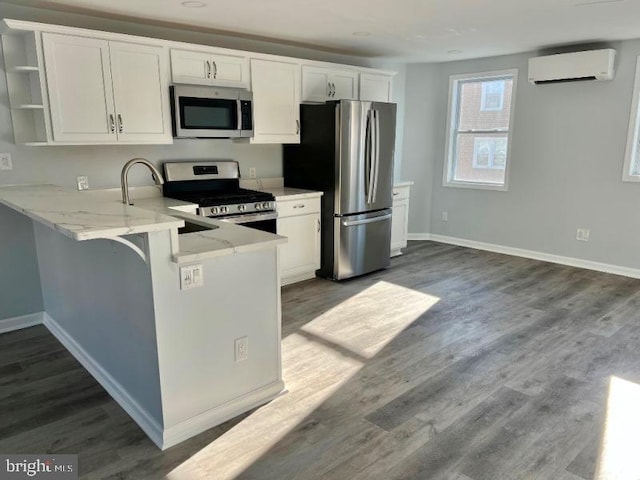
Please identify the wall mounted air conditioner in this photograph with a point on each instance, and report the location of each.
(572, 67)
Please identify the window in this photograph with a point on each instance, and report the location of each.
(631, 171)
(490, 153)
(479, 130)
(492, 96)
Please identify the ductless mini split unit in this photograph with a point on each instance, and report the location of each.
(572, 67)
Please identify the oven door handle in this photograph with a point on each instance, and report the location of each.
(255, 217)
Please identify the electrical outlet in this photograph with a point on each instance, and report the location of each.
(5, 161)
(252, 172)
(191, 276)
(242, 349)
(582, 234)
(83, 182)
(445, 216)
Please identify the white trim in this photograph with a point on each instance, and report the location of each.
(23, 321)
(634, 127)
(139, 415)
(419, 236)
(204, 421)
(452, 114)
(545, 257)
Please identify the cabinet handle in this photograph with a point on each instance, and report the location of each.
(297, 127)
(395, 194)
(329, 89)
(120, 124)
(333, 87)
(318, 225)
(208, 69)
(112, 123)
(300, 205)
(215, 70)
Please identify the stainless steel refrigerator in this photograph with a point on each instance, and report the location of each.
(346, 150)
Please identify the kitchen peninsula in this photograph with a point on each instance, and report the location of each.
(115, 294)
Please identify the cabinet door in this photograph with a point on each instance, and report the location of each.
(375, 88)
(399, 220)
(315, 84)
(230, 71)
(301, 254)
(276, 101)
(141, 93)
(192, 68)
(79, 85)
(344, 85)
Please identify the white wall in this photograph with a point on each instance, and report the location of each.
(567, 153)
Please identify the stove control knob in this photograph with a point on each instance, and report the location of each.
(214, 210)
(242, 208)
(258, 206)
(266, 205)
(224, 209)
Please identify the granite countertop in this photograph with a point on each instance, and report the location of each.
(224, 239)
(81, 217)
(100, 214)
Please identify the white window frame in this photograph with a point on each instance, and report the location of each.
(452, 119)
(483, 99)
(633, 135)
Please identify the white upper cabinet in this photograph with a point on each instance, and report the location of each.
(106, 92)
(202, 68)
(320, 84)
(79, 84)
(140, 94)
(276, 101)
(375, 87)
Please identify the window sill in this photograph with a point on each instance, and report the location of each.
(478, 186)
(631, 178)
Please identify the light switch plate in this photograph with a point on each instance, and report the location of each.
(5, 161)
(191, 276)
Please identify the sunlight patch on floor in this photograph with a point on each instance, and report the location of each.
(331, 349)
(619, 455)
(365, 323)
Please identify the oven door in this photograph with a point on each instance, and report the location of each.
(260, 221)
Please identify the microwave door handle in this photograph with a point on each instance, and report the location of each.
(239, 114)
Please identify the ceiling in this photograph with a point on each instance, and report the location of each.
(402, 30)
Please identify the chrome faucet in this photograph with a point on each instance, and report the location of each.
(157, 177)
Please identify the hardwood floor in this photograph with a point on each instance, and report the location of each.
(452, 364)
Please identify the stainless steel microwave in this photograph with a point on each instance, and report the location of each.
(211, 112)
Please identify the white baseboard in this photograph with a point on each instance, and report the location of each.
(545, 257)
(419, 236)
(139, 415)
(187, 429)
(23, 321)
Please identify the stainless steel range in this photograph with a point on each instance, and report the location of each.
(215, 187)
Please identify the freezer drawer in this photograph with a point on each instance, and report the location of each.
(361, 243)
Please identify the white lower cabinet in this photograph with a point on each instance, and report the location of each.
(399, 219)
(299, 221)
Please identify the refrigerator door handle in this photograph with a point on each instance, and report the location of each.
(353, 223)
(370, 170)
(376, 150)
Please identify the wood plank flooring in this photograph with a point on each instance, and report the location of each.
(452, 364)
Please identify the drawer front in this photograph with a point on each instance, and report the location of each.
(400, 193)
(289, 208)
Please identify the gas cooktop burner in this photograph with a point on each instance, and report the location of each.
(208, 198)
(215, 187)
